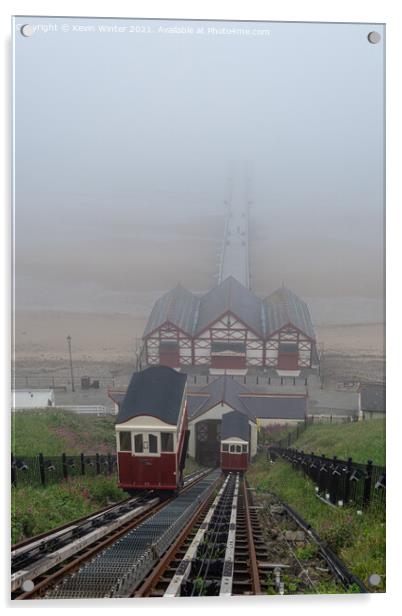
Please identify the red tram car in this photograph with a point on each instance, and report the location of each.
(152, 431)
(235, 442)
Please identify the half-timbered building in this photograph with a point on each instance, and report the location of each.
(289, 332)
(230, 330)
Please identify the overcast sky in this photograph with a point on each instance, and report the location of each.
(124, 141)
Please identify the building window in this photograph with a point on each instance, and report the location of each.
(125, 441)
(167, 441)
(138, 443)
(153, 443)
(228, 347)
(168, 346)
(202, 432)
(288, 347)
(225, 447)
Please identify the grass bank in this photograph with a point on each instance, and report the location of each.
(358, 540)
(362, 441)
(52, 432)
(35, 510)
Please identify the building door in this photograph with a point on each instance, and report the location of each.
(288, 356)
(208, 436)
(169, 354)
(228, 355)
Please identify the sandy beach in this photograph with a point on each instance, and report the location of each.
(103, 346)
(95, 337)
(113, 337)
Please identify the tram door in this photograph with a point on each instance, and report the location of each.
(208, 436)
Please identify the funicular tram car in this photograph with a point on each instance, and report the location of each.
(235, 442)
(152, 431)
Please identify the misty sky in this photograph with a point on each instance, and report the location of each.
(124, 142)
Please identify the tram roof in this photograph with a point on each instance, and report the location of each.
(235, 424)
(156, 391)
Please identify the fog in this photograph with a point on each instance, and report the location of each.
(124, 142)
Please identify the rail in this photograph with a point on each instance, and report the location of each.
(76, 542)
(117, 570)
(229, 551)
(184, 570)
(221, 558)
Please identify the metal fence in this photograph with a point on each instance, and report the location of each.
(293, 435)
(63, 383)
(43, 470)
(252, 379)
(339, 482)
(86, 409)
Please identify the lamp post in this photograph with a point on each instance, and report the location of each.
(71, 362)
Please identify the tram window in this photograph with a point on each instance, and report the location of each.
(244, 448)
(125, 441)
(152, 443)
(232, 448)
(167, 441)
(238, 448)
(138, 443)
(225, 447)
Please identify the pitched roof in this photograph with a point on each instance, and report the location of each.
(239, 398)
(178, 306)
(193, 314)
(373, 397)
(157, 391)
(230, 296)
(235, 424)
(223, 389)
(276, 407)
(283, 307)
(116, 396)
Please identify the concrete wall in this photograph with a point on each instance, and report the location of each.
(32, 399)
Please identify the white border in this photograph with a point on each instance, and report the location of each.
(384, 11)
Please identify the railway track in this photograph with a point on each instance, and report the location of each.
(218, 554)
(234, 547)
(214, 538)
(37, 562)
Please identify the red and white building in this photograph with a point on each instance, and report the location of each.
(229, 330)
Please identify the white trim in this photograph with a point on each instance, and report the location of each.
(235, 442)
(119, 450)
(145, 422)
(147, 428)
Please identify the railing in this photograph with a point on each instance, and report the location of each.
(42, 470)
(89, 409)
(310, 420)
(339, 482)
(252, 379)
(82, 409)
(63, 383)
